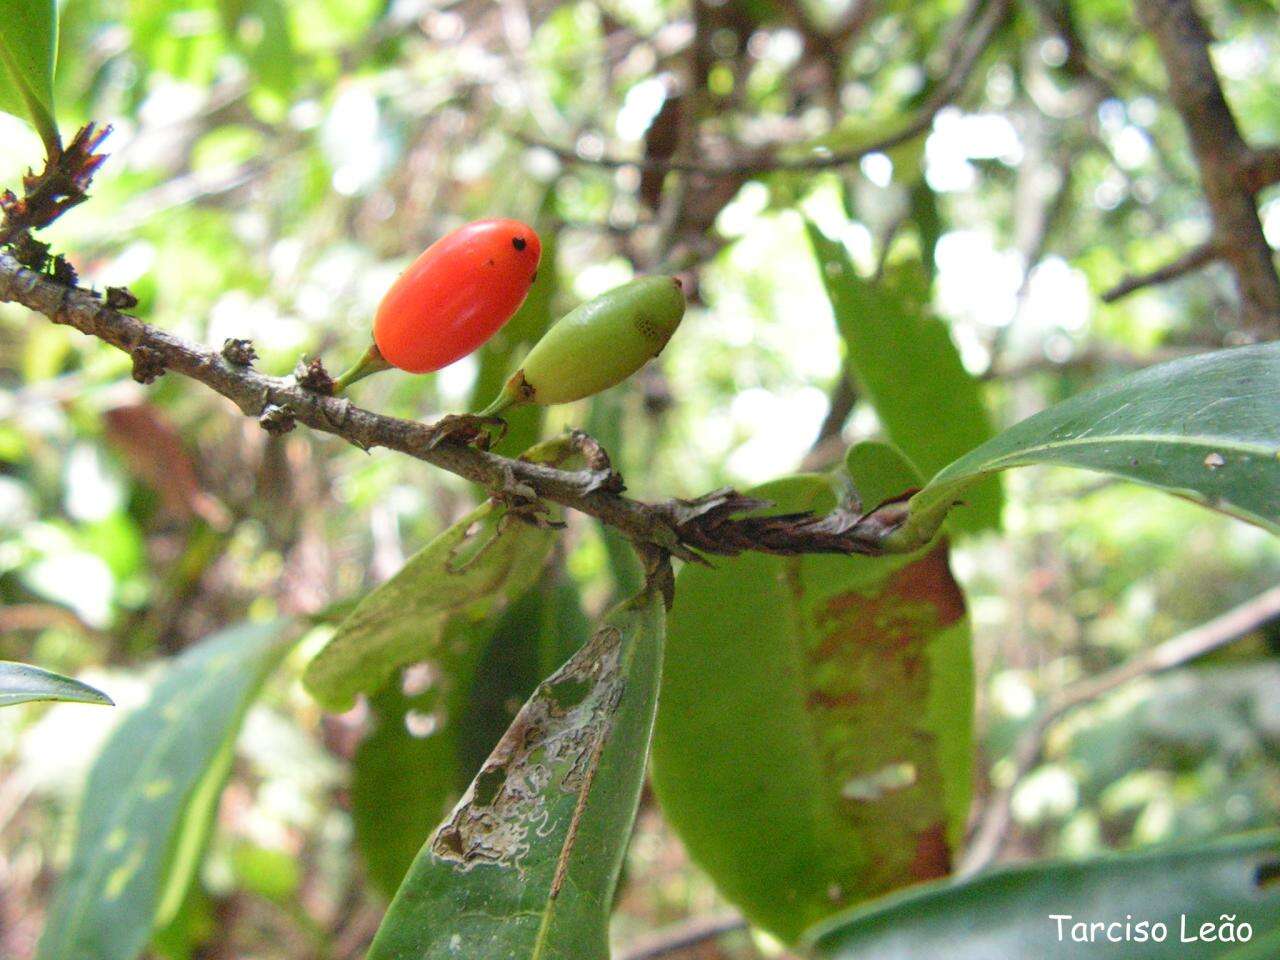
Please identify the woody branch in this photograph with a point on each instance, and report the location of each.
(714, 523)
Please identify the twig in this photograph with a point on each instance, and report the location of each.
(1189, 262)
(993, 829)
(961, 67)
(1261, 168)
(1221, 154)
(683, 936)
(714, 523)
(61, 185)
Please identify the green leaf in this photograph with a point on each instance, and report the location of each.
(262, 31)
(527, 863)
(28, 54)
(484, 554)
(1206, 428)
(1010, 913)
(426, 746)
(149, 803)
(193, 924)
(23, 683)
(908, 368)
(814, 735)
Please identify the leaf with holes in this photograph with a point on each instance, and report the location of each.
(907, 366)
(23, 683)
(527, 863)
(485, 554)
(1011, 913)
(434, 729)
(149, 803)
(1206, 428)
(813, 740)
(28, 54)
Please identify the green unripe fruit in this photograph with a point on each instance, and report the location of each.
(598, 345)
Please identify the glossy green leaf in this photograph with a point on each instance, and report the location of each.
(483, 554)
(1206, 428)
(814, 735)
(527, 863)
(28, 54)
(427, 744)
(151, 796)
(23, 683)
(1011, 913)
(909, 369)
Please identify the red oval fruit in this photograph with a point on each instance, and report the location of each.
(457, 295)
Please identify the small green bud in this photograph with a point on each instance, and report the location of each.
(598, 345)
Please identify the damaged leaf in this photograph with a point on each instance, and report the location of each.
(838, 694)
(151, 796)
(1015, 909)
(1205, 428)
(485, 553)
(526, 864)
(435, 725)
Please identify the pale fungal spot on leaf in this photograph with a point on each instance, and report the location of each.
(119, 877)
(881, 783)
(553, 744)
(1215, 460)
(115, 839)
(157, 788)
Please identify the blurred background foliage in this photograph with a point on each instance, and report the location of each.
(274, 165)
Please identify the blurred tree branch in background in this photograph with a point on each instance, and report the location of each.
(1231, 171)
(968, 42)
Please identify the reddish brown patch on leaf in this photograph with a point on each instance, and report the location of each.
(933, 855)
(868, 688)
(895, 609)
